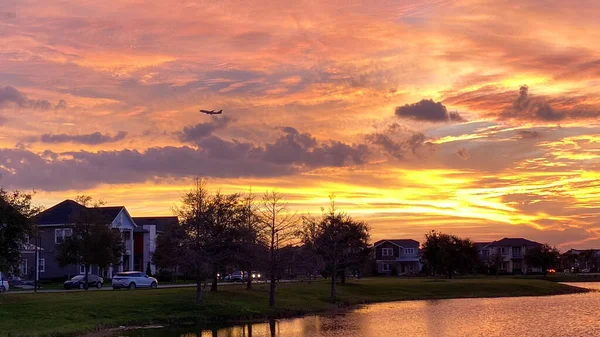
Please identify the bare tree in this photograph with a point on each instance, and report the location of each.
(193, 221)
(250, 230)
(278, 232)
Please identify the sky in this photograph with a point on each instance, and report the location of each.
(477, 118)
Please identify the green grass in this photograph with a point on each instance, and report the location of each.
(55, 314)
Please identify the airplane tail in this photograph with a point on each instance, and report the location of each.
(220, 111)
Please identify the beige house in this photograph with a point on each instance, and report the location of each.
(513, 251)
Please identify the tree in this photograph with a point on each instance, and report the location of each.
(169, 251)
(17, 214)
(92, 241)
(250, 231)
(445, 253)
(543, 256)
(495, 260)
(340, 241)
(209, 234)
(308, 234)
(278, 233)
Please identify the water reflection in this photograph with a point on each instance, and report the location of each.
(566, 315)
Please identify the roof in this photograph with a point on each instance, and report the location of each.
(161, 222)
(63, 212)
(514, 242)
(399, 242)
(480, 245)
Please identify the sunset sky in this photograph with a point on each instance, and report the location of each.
(478, 118)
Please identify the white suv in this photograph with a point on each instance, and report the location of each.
(133, 279)
(3, 283)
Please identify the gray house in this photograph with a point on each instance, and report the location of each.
(54, 227)
(397, 257)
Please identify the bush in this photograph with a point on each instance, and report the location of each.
(165, 275)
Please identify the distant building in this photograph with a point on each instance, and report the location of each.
(576, 260)
(513, 250)
(397, 257)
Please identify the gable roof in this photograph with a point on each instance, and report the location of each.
(480, 245)
(63, 212)
(514, 242)
(161, 222)
(399, 242)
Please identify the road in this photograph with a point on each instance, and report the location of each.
(107, 287)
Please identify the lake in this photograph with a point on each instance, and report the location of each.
(563, 315)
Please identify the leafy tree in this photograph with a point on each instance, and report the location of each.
(278, 233)
(169, 248)
(148, 269)
(340, 241)
(92, 241)
(447, 254)
(543, 256)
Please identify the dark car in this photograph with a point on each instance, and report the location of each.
(78, 282)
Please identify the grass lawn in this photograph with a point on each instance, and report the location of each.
(54, 314)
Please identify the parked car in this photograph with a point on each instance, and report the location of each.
(586, 270)
(3, 283)
(133, 279)
(78, 282)
(237, 276)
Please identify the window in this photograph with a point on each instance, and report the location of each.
(82, 269)
(61, 233)
(387, 252)
(386, 266)
(410, 251)
(126, 235)
(26, 240)
(502, 250)
(42, 265)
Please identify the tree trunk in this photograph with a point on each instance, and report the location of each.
(249, 280)
(249, 329)
(333, 276)
(272, 288)
(343, 276)
(450, 274)
(272, 328)
(198, 288)
(215, 280)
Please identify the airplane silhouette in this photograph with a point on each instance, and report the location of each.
(212, 112)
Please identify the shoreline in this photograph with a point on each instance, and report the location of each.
(127, 310)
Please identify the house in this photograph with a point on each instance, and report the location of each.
(576, 259)
(139, 239)
(397, 257)
(144, 238)
(513, 251)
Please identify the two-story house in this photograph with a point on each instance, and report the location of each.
(513, 251)
(397, 257)
(139, 239)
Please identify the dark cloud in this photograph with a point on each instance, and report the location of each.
(427, 110)
(408, 142)
(502, 105)
(211, 157)
(302, 148)
(526, 107)
(463, 153)
(61, 105)
(87, 139)
(192, 134)
(10, 95)
(529, 134)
